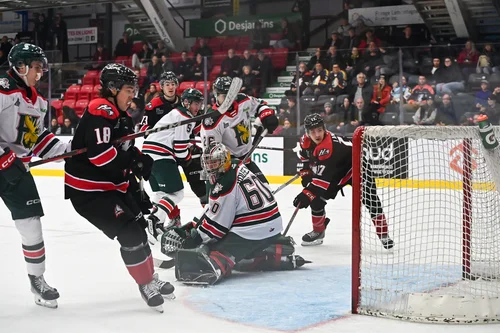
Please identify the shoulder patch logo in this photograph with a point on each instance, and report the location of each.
(118, 211)
(106, 108)
(324, 152)
(149, 105)
(4, 83)
(209, 121)
(217, 188)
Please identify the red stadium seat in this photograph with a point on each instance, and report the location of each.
(218, 57)
(185, 85)
(69, 103)
(57, 105)
(72, 92)
(200, 85)
(80, 107)
(85, 92)
(91, 77)
(214, 73)
(95, 92)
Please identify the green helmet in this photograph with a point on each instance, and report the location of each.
(192, 95)
(23, 54)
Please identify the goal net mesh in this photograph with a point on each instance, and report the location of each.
(438, 190)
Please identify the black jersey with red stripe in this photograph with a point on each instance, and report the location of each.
(104, 167)
(330, 161)
(156, 109)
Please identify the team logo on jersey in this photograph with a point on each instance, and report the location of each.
(27, 130)
(226, 125)
(149, 105)
(118, 211)
(4, 83)
(107, 108)
(324, 152)
(217, 188)
(209, 122)
(242, 132)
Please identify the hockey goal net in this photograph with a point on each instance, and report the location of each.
(439, 191)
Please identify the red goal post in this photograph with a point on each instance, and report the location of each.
(438, 190)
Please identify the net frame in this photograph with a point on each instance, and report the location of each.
(466, 221)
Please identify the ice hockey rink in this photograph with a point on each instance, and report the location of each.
(99, 296)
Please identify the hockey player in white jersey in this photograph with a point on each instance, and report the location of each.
(233, 128)
(240, 230)
(168, 149)
(22, 135)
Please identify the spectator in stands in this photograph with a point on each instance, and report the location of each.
(400, 92)
(231, 65)
(246, 60)
(123, 47)
(354, 63)
(151, 93)
(492, 110)
(372, 60)
(318, 57)
(259, 38)
(54, 126)
(154, 69)
(469, 55)
(334, 57)
(363, 112)
(408, 43)
(361, 90)
(143, 58)
(161, 48)
(249, 86)
(337, 81)
(100, 58)
(369, 38)
(344, 27)
(70, 114)
(203, 49)
(136, 111)
(288, 130)
(198, 68)
(289, 36)
(496, 94)
(381, 95)
(350, 41)
(41, 30)
(184, 68)
(426, 113)
(334, 40)
(435, 73)
(420, 91)
(59, 30)
(446, 112)
(452, 80)
(290, 112)
(488, 60)
(263, 69)
(5, 46)
(350, 116)
(482, 95)
(166, 63)
(304, 81)
(319, 81)
(328, 113)
(67, 128)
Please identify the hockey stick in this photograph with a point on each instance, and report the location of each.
(259, 136)
(282, 186)
(228, 102)
(291, 221)
(275, 148)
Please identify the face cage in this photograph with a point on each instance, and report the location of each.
(213, 164)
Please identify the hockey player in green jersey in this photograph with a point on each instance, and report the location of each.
(22, 135)
(233, 128)
(170, 148)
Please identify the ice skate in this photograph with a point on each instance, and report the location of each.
(386, 241)
(45, 295)
(165, 288)
(151, 295)
(314, 238)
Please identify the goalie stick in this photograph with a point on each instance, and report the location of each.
(228, 102)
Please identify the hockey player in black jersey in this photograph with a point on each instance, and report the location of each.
(163, 104)
(101, 184)
(327, 169)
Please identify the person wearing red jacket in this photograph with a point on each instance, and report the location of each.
(381, 94)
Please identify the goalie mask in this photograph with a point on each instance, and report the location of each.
(215, 160)
(221, 87)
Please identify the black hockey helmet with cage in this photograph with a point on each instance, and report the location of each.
(168, 76)
(313, 120)
(116, 76)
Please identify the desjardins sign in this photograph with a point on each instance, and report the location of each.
(236, 25)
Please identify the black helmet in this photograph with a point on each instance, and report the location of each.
(221, 86)
(117, 75)
(168, 76)
(313, 120)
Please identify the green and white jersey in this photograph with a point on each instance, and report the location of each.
(240, 203)
(172, 143)
(22, 112)
(233, 128)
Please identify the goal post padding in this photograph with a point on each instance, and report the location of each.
(438, 188)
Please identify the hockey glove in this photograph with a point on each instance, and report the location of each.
(140, 196)
(306, 176)
(269, 120)
(303, 200)
(11, 167)
(141, 164)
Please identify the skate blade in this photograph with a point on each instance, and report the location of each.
(51, 304)
(195, 283)
(158, 308)
(313, 243)
(170, 297)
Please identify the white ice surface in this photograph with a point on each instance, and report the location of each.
(99, 296)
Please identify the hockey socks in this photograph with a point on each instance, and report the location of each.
(139, 263)
(318, 220)
(33, 246)
(380, 224)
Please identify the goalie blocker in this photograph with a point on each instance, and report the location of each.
(241, 230)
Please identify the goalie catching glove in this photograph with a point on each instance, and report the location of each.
(174, 238)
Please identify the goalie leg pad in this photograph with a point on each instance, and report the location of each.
(202, 267)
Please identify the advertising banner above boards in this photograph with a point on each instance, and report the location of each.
(82, 36)
(236, 25)
(13, 22)
(269, 161)
(388, 15)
